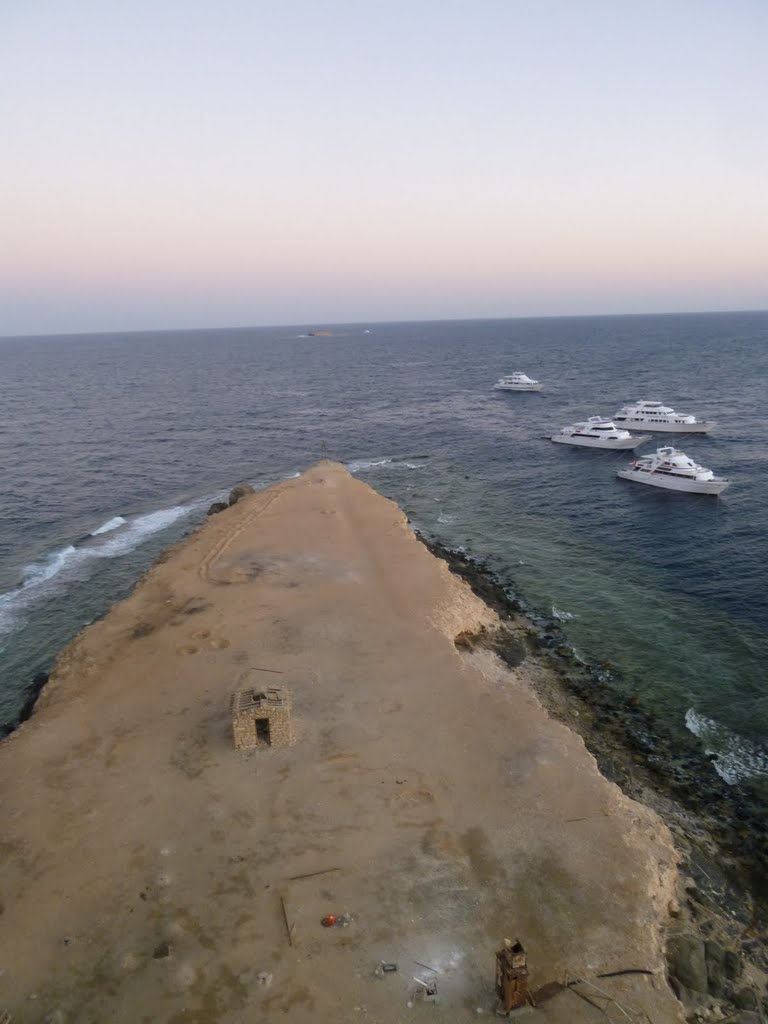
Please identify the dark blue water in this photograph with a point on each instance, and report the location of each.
(152, 427)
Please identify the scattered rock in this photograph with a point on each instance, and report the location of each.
(745, 999)
(733, 966)
(239, 492)
(217, 506)
(501, 641)
(714, 955)
(32, 694)
(687, 965)
(509, 649)
(162, 951)
(466, 640)
(716, 981)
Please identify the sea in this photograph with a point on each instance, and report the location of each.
(113, 446)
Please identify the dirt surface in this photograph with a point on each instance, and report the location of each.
(152, 873)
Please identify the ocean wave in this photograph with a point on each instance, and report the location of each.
(43, 578)
(360, 465)
(446, 518)
(37, 578)
(140, 529)
(560, 615)
(34, 578)
(111, 524)
(734, 758)
(40, 572)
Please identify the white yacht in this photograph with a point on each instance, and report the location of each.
(597, 432)
(670, 468)
(517, 382)
(655, 416)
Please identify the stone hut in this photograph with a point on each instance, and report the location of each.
(261, 718)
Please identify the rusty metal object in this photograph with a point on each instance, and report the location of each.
(427, 992)
(512, 975)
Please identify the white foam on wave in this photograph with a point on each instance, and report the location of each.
(734, 758)
(34, 578)
(110, 525)
(42, 579)
(446, 518)
(139, 529)
(7, 619)
(39, 572)
(560, 615)
(360, 465)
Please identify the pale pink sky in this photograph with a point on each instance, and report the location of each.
(296, 162)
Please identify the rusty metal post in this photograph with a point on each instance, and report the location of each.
(512, 975)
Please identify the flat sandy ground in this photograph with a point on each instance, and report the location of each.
(146, 863)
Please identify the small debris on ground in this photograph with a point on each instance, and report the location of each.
(426, 991)
(343, 920)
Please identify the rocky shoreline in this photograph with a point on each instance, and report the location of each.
(720, 920)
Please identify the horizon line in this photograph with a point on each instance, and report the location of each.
(354, 323)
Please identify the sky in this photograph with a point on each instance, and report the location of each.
(190, 163)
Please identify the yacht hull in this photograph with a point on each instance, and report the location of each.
(632, 423)
(517, 387)
(674, 483)
(621, 443)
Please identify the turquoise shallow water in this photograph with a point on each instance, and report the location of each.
(152, 427)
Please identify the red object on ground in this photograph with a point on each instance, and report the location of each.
(328, 921)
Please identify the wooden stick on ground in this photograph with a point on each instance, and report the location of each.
(312, 874)
(288, 928)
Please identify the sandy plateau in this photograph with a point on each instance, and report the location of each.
(152, 873)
